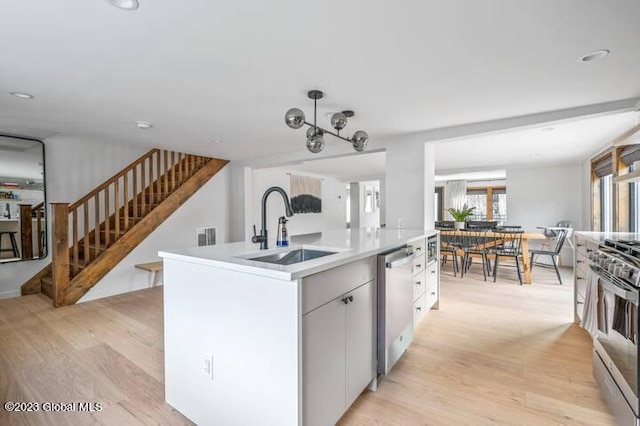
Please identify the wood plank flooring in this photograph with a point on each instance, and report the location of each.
(493, 354)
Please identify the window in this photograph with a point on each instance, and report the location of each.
(478, 198)
(490, 203)
(606, 203)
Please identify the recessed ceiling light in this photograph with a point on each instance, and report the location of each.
(124, 4)
(144, 125)
(22, 95)
(216, 141)
(548, 129)
(596, 55)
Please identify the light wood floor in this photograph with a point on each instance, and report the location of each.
(493, 354)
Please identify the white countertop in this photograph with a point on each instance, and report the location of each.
(601, 236)
(351, 244)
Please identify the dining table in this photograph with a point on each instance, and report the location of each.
(526, 237)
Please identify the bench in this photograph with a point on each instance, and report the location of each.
(153, 267)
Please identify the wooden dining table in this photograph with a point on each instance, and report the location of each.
(526, 236)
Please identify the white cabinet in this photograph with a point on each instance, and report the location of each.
(338, 344)
(583, 246)
(360, 341)
(425, 282)
(323, 366)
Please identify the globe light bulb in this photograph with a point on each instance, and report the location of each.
(315, 143)
(338, 121)
(360, 139)
(294, 118)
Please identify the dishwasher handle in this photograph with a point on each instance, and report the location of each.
(401, 261)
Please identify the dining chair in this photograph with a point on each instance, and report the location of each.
(509, 245)
(449, 246)
(552, 249)
(475, 242)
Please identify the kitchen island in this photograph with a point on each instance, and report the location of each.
(251, 342)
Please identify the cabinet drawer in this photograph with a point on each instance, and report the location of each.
(431, 274)
(581, 285)
(419, 247)
(419, 285)
(419, 264)
(325, 286)
(419, 309)
(431, 297)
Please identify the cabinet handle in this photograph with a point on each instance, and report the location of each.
(589, 250)
(418, 308)
(418, 283)
(345, 300)
(579, 278)
(433, 293)
(579, 261)
(580, 245)
(580, 303)
(418, 266)
(433, 272)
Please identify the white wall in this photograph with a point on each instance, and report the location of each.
(371, 219)
(410, 185)
(542, 196)
(209, 207)
(334, 195)
(72, 168)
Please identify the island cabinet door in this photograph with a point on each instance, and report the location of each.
(323, 359)
(360, 341)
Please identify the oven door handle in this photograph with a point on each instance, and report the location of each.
(629, 295)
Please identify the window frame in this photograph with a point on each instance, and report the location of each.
(489, 193)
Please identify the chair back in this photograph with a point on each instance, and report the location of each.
(444, 224)
(481, 224)
(564, 224)
(475, 240)
(560, 239)
(509, 228)
(449, 240)
(509, 242)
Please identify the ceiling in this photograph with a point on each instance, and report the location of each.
(203, 70)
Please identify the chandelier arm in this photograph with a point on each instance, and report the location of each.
(329, 132)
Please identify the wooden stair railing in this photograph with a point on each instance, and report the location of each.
(93, 234)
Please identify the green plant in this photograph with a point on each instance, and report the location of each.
(461, 215)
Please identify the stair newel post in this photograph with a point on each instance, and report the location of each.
(60, 257)
(26, 231)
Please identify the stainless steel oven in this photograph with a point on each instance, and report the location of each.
(432, 248)
(615, 358)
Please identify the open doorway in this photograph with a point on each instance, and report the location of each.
(364, 204)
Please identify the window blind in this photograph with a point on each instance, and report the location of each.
(629, 154)
(603, 167)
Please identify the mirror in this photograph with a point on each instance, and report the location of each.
(23, 221)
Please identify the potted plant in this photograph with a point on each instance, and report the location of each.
(460, 215)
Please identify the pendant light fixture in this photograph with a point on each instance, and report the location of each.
(295, 119)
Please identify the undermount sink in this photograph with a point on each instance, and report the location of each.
(292, 256)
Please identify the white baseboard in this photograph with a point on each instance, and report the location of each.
(9, 294)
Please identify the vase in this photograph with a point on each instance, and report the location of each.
(458, 225)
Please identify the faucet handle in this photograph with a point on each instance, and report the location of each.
(257, 238)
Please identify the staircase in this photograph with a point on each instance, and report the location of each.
(92, 235)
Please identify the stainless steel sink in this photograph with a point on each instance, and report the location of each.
(293, 256)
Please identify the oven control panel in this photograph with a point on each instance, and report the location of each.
(616, 265)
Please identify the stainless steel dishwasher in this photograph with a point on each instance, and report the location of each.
(395, 306)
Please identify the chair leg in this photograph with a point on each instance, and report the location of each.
(455, 263)
(531, 262)
(495, 269)
(518, 269)
(484, 267)
(555, 265)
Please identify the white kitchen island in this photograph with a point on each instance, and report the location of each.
(249, 342)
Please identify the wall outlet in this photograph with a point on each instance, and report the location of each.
(207, 365)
